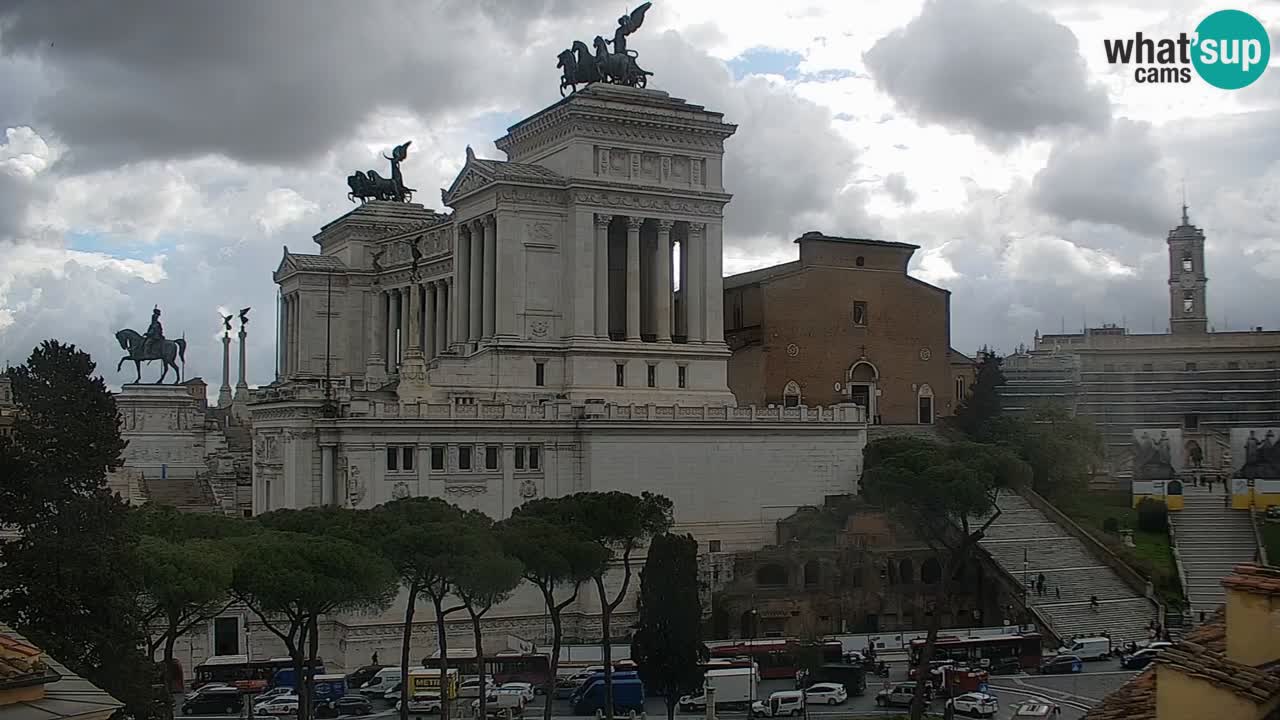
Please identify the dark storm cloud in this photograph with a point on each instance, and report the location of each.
(1114, 177)
(273, 82)
(993, 68)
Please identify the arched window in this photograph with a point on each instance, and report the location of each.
(925, 396)
(791, 395)
(812, 573)
(906, 572)
(930, 572)
(771, 575)
(1187, 265)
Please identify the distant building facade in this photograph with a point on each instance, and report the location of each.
(845, 324)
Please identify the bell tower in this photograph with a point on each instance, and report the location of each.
(1187, 312)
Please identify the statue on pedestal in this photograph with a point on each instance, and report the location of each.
(152, 346)
(372, 186)
(618, 67)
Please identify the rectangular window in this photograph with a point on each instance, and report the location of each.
(406, 455)
(653, 376)
(1146, 367)
(1186, 263)
(681, 376)
(519, 457)
(860, 314)
(619, 372)
(713, 546)
(393, 459)
(226, 636)
(464, 457)
(540, 374)
(1188, 301)
(1191, 367)
(1191, 422)
(535, 457)
(490, 457)
(437, 457)
(960, 388)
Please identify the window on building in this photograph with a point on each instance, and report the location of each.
(1190, 367)
(1187, 265)
(491, 457)
(519, 459)
(226, 636)
(859, 261)
(925, 396)
(791, 394)
(437, 457)
(1233, 365)
(619, 374)
(681, 376)
(406, 458)
(960, 388)
(535, 457)
(464, 457)
(540, 374)
(1188, 301)
(860, 314)
(713, 546)
(930, 571)
(393, 459)
(652, 378)
(1191, 422)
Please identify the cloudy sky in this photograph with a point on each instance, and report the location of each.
(163, 153)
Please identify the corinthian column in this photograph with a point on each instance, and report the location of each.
(602, 276)
(475, 325)
(462, 284)
(429, 321)
(415, 317)
(633, 278)
(489, 223)
(662, 284)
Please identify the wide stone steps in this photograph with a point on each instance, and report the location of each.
(185, 494)
(1026, 543)
(1211, 539)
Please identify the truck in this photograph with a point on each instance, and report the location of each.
(597, 679)
(328, 688)
(628, 697)
(1088, 648)
(424, 682)
(735, 688)
(853, 677)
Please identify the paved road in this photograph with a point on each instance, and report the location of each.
(1074, 693)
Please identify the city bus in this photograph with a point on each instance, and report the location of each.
(1002, 653)
(502, 668)
(781, 659)
(249, 676)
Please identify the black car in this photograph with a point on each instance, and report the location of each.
(361, 676)
(348, 705)
(1139, 659)
(1061, 665)
(213, 701)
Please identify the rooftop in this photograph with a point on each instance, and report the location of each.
(66, 695)
(1255, 579)
(752, 277)
(505, 170)
(815, 235)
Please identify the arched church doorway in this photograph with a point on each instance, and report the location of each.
(862, 381)
(925, 397)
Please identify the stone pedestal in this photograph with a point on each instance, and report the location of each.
(164, 425)
(413, 385)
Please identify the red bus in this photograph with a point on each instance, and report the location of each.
(1001, 653)
(780, 659)
(503, 668)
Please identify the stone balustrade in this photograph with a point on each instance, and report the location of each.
(563, 411)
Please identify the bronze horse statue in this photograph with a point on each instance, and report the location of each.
(167, 351)
(372, 186)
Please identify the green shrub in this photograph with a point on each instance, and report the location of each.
(1111, 525)
(1153, 516)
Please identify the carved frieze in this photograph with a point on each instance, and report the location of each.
(626, 201)
(532, 196)
(466, 489)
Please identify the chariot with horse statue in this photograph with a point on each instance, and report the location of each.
(580, 67)
(152, 345)
(372, 186)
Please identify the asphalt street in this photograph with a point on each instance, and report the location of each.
(1076, 694)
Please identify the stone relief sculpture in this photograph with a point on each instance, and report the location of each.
(1261, 457)
(579, 67)
(528, 489)
(400, 491)
(355, 486)
(1151, 458)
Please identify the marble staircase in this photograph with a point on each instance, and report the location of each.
(185, 494)
(1211, 538)
(1027, 543)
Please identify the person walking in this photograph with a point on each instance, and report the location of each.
(1093, 603)
(1057, 591)
(1040, 584)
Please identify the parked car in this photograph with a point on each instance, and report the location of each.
(900, 695)
(976, 704)
(502, 701)
(526, 690)
(1062, 665)
(346, 705)
(422, 704)
(1140, 659)
(470, 688)
(357, 679)
(1035, 709)
(278, 705)
(825, 694)
(783, 702)
(212, 701)
(273, 692)
(392, 693)
(1088, 648)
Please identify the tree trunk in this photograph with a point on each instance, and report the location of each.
(405, 641)
(170, 639)
(309, 677)
(606, 648)
(475, 634)
(935, 624)
(296, 653)
(442, 639)
(555, 655)
(671, 705)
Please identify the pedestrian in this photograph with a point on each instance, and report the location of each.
(1057, 590)
(1040, 584)
(1093, 603)
(374, 660)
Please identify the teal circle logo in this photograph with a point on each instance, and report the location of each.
(1232, 49)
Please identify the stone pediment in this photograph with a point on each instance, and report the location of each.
(478, 173)
(299, 262)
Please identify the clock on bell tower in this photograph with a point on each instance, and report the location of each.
(1187, 312)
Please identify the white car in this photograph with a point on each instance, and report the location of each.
(976, 704)
(422, 704)
(470, 688)
(274, 692)
(825, 694)
(278, 705)
(525, 689)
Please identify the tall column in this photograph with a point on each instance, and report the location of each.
(444, 318)
(714, 290)
(295, 317)
(695, 296)
(602, 276)
(328, 481)
(393, 331)
(281, 335)
(451, 304)
(662, 284)
(429, 321)
(415, 317)
(633, 277)
(404, 324)
(490, 274)
(475, 299)
(374, 364)
(224, 392)
(682, 318)
(389, 329)
(462, 285)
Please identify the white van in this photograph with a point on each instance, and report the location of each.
(783, 702)
(1088, 648)
(381, 682)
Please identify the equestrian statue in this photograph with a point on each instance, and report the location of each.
(579, 67)
(153, 345)
(372, 186)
